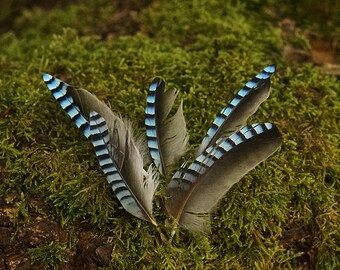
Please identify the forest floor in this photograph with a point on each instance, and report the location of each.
(56, 209)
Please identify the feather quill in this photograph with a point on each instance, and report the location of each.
(167, 137)
(114, 136)
(193, 194)
(243, 105)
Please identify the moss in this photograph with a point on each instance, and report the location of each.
(321, 17)
(50, 255)
(208, 50)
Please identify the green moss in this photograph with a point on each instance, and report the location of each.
(50, 255)
(208, 50)
(321, 17)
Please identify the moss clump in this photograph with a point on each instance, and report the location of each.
(283, 215)
(50, 255)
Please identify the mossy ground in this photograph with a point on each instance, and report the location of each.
(57, 211)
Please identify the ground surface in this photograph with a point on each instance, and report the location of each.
(56, 209)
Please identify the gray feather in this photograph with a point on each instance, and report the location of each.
(167, 137)
(193, 195)
(124, 151)
(113, 135)
(243, 105)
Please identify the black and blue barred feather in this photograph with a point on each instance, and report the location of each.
(167, 137)
(118, 152)
(123, 191)
(193, 193)
(243, 105)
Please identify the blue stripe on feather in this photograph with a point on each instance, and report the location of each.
(208, 162)
(153, 144)
(150, 110)
(151, 98)
(110, 173)
(153, 152)
(151, 122)
(154, 85)
(116, 184)
(151, 133)
(244, 92)
(270, 69)
(105, 161)
(268, 125)
(249, 84)
(72, 112)
(235, 101)
(259, 129)
(217, 122)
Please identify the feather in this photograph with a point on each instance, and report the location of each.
(193, 194)
(134, 194)
(167, 137)
(78, 103)
(243, 105)
(116, 135)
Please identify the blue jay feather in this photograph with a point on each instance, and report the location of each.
(241, 107)
(118, 152)
(123, 192)
(167, 137)
(193, 193)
